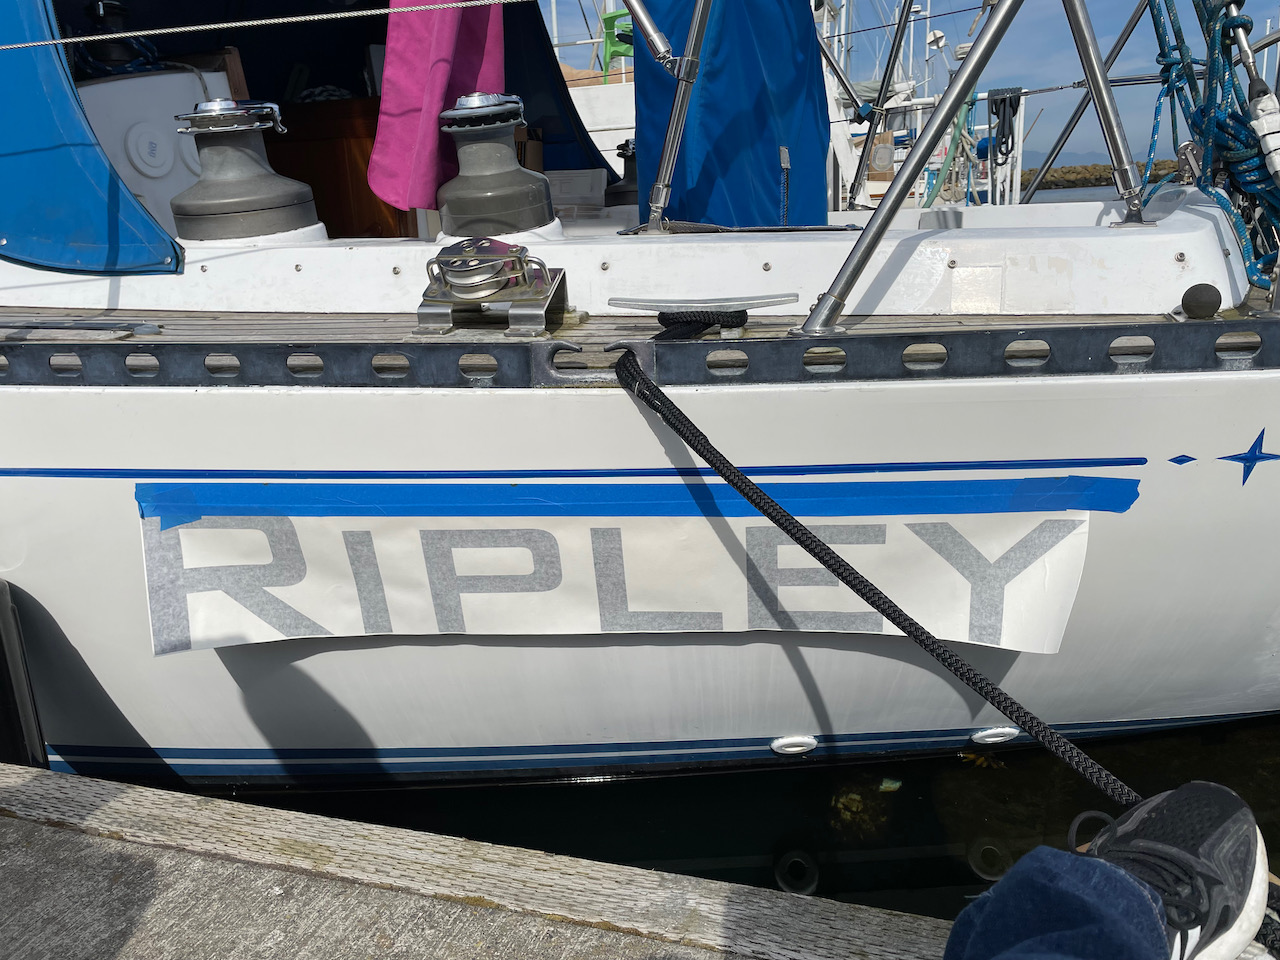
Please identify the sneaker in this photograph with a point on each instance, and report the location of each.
(1200, 849)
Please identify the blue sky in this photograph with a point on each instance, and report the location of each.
(1037, 52)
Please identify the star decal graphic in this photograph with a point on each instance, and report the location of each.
(1252, 457)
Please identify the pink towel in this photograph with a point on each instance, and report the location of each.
(433, 57)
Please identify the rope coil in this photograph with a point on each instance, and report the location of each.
(1002, 106)
(1218, 119)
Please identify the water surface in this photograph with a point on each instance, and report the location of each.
(921, 835)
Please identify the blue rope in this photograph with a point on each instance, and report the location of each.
(1173, 86)
(1218, 118)
(1163, 180)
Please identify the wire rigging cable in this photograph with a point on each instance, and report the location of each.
(350, 14)
(262, 22)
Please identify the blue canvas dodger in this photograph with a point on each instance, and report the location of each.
(66, 208)
(759, 89)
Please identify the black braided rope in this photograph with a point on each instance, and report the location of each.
(633, 378)
(689, 324)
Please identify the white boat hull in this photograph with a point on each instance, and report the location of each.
(1174, 618)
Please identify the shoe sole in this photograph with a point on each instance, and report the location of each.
(1229, 945)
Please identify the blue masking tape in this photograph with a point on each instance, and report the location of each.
(182, 502)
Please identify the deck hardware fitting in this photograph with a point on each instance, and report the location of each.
(715, 305)
(657, 42)
(991, 735)
(224, 115)
(480, 275)
(1190, 162)
(793, 745)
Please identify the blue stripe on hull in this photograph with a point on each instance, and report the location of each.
(797, 470)
(229, 764)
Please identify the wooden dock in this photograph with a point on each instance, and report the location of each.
(94, 869)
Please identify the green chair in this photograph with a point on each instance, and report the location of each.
(617, 43)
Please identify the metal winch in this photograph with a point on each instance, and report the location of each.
(482, 277)
(492, 193)
(238, 194)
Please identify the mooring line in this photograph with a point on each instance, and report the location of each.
(633, 378)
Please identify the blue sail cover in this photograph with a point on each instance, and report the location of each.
(62, 206)
(760, 88)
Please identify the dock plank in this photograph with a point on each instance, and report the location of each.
(72, 896)
(665, 908)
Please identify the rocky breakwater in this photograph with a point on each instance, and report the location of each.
(1090, 175)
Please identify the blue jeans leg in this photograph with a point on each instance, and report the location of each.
(1061, 906)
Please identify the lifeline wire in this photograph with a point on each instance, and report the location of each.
(267, 22)
(890, 26)
(340, 15)
(633, 378)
